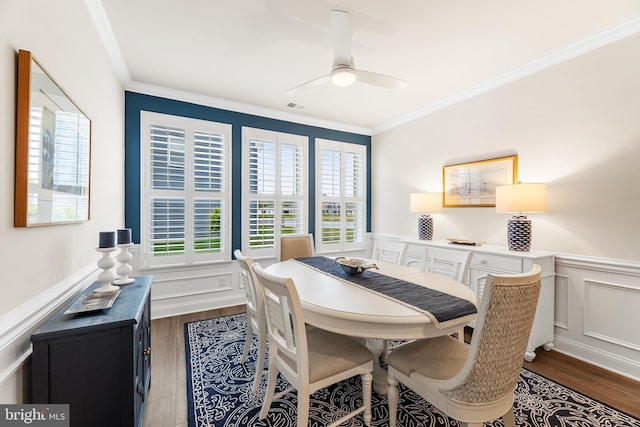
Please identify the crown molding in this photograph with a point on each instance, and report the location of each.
(596, 41)
(239, 107)
(103, 27)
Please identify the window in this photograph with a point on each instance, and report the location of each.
(274, 194)
(185, 214)
(340, 195)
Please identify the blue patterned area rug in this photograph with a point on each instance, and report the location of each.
(219, 392)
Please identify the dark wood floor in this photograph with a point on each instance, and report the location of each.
(600, 384)
(608, 387)
(166, 404)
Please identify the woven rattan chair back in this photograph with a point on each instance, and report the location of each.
(499, 340)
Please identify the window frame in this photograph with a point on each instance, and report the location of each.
(278, 138)
(189, 194)
(342, 199)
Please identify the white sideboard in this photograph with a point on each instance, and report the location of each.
(500, 260)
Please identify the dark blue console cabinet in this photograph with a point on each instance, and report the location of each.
(97, 362)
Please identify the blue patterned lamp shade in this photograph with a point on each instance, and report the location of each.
(519, 198)
(423, 203)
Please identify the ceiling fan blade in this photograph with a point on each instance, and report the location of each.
(381, 80)
(341, 37)
(308, 85)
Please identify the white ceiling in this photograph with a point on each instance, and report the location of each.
(251, 51)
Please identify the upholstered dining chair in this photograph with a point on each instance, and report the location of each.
(310, 359)
(296, 246)
(389, 250)
(474, 383)
(256, 319)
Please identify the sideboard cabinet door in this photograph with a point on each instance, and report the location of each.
(97, 362)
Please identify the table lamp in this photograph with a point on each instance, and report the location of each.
(520, 198)
(425, 203)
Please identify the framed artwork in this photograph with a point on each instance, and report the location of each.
(474, 184)
(53, 151)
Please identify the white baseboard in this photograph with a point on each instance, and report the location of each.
(166, 308)
(611, 362)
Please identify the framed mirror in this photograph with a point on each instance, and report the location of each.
(53, 151)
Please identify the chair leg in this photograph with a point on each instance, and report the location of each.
(392, 397)
(367, 380)
(247, 341)
(262, 350)
(509, 418)
(271, 388)
(304, 400)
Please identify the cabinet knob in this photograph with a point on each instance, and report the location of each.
(147, 351)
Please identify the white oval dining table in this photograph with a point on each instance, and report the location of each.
(336, 305)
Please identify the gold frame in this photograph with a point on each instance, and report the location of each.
(53, 151)
(473, 184)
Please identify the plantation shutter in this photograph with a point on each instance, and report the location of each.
(185, 189)
(274, 195)
(341, 195)
(331, 185)
(209, 185)
(355, 173)
(167, 225)
(262, 178)
(292, 207)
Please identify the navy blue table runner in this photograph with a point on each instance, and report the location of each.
(442, 306)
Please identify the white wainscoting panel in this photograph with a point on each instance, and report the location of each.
(17, 326)
(597, 312)
(601, 320)
(561, 313)
(189, 289)
(189, 285)
(619, 323)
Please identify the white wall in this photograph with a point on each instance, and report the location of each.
(60, 36)
(575, 126)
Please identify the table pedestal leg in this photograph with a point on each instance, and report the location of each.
(379, 372)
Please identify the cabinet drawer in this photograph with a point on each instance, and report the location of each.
(491, 262)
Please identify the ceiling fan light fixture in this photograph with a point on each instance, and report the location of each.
(343, 76)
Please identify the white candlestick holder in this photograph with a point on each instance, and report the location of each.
(124, 270)
(106, 263)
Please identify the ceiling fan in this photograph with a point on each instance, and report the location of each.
(343, 71)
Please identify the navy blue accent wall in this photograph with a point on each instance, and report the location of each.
(135, 103)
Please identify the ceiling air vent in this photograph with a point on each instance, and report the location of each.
(296, 106)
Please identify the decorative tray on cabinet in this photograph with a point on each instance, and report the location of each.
(93, 301)
(464, 242)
